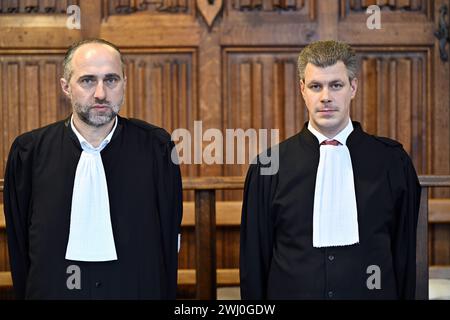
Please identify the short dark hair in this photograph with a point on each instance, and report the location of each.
(327, 53)
(67, 62)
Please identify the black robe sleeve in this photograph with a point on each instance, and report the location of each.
(256, 238)
(408, 191)
(16, 198)
(170, 208)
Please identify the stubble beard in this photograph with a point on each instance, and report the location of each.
(97, 118)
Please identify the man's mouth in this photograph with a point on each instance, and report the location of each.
(327, 110)
(100, 106)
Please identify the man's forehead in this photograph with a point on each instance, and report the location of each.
(96, 59)
(338, 71)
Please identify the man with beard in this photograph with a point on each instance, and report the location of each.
(93, 204)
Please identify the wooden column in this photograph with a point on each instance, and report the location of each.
(91, 18)
(328, 17)
(205, 233)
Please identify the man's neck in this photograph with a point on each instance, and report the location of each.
(330, 133)
(93, 135)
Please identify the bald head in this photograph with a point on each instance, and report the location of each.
(87, 49)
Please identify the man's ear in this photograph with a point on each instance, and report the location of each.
(354, 86)
(302, 87)
(65, 86)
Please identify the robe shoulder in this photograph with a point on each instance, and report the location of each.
(388, 142)
(27, 140)
(392, 147)
(284, 149)
(161, 135)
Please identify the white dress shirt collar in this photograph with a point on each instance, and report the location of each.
(341, 136)
(85, 145)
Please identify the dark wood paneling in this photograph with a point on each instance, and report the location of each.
(35, 6)
(30, 95)
(391, 100)
(260, 92)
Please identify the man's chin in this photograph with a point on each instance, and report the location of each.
(98, 119)
(327, 122)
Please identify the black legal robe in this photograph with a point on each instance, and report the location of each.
(145, 196)
(278, 260)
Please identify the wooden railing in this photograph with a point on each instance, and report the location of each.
(205, 230)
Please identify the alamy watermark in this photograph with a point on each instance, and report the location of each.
(74, 279)
(374, 20)
(374, 280)
(74, 19)
(189, 149)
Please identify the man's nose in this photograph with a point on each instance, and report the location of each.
(100, 91)
(325, 97)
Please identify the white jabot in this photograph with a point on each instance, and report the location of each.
(335, 218)
(91, 235)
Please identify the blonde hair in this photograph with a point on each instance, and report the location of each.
(327, 53)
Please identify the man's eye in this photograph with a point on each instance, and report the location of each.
(336, 86)
(111, 80)
(87, 81)
(314, 87)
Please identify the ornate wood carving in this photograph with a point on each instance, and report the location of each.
(36, 6)
(391, 5)
(268, 5)
(209, 9)
(114, 7)
(397, 6)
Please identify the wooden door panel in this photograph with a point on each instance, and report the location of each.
(30, 95)
(260, 91)
(391, 100)
(162, 90)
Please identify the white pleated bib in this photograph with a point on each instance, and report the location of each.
(335, 218)
(91, 235)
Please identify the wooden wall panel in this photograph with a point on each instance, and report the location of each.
(162, 90)
(120, 7)
(227, 248)
(30, 96)
(391, 100)
(355, 6)
(4, 256)
(440, 244)
(261, 92)
(186, 256)
(268, 5)
(36, 6)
